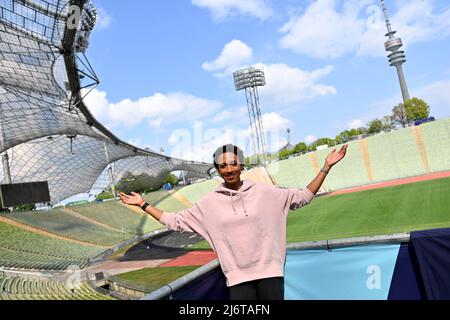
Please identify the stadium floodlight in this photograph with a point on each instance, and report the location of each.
(249, 79)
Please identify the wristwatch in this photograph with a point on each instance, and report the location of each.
(324, 170)
(145, 205)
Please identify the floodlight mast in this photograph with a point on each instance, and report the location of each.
(249, 79)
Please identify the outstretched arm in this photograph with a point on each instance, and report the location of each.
(333, 158)
(189, 220)
(135, 199)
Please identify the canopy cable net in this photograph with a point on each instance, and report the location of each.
(46, 131)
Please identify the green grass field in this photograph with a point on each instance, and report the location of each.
(115, 215)
(66, 225)
(151, 279)
(404, 208)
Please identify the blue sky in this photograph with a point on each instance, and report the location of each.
(166, 68)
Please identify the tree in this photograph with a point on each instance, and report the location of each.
(250, 161)
(346, 135)
(399, 115)
(285, 153)
(358, 131)
(388, 123)
(375, 126)
(105, 195)
(172, 179)
(416, 109)
(141, 183)
(25, 207)
(320, 142)
(299, 148)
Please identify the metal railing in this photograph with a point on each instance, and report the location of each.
(168, 290)
(347, 242)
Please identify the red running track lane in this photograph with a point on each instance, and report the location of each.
(194, 258)
(392, 183)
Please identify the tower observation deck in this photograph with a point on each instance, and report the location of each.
(396, 57)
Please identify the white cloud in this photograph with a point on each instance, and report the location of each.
(97, 104)
(156, 110)
(173, 140)
(187, 146)
(331, 28)
(321, 31)
(275, 127)
(355, 124)
(224, 9)
(274, 121)
(137, 142)
(222, 116)
(278, 144)
(437, 95)
(234, 55)
(200, 145)
(310, 139)
(104, 19)
(287, 85)
(231, 116)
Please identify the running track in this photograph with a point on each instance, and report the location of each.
(392, 183)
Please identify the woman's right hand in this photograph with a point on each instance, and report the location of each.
(135, 199)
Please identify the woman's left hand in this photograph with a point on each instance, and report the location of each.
(334, 157)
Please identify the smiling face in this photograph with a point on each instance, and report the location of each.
(229, 168)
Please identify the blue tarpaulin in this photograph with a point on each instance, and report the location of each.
(350, 273)
(417, 270)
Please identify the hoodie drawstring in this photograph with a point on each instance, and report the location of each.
(232, 205)
(243, 205)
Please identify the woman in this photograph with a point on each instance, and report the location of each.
(245, 224)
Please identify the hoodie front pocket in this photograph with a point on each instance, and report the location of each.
(242, 245)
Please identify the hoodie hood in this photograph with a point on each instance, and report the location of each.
(247, 185)
(233, 194)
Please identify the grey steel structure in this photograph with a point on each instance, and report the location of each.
(396, 57)
(46, 131)
(249, 79)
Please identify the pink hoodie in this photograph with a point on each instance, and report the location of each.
(246, 228)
